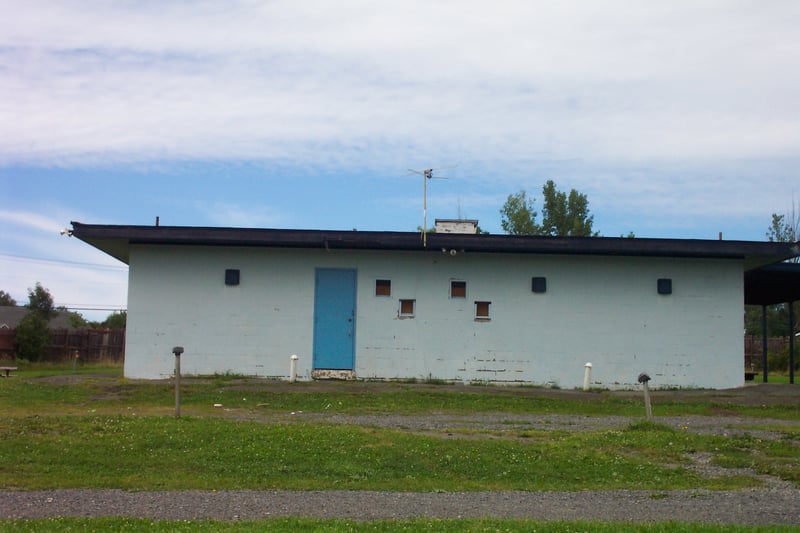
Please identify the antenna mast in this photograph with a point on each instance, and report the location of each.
(427, 174)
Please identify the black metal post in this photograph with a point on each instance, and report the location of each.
(791, 342)
(764, 343)
(177, 350)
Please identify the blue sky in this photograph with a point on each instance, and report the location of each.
(677, 119)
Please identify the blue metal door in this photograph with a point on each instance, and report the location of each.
(334, 318)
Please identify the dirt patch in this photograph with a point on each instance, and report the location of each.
(757, 394)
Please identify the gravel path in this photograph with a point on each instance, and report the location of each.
(751, 507)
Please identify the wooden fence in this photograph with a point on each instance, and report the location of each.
(91, 345)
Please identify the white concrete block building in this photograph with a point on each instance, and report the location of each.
(466, 308)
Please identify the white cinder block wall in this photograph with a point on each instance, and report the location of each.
(603, 310)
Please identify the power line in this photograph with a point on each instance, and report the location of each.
(62, 262)
(94, 308)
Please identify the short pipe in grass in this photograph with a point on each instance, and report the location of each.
(587, 376)
(293, 368)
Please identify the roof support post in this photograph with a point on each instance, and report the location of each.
(764, 343)
(791, 342)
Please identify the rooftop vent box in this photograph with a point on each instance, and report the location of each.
(456, 226)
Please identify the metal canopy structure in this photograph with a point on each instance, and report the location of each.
(771, 285)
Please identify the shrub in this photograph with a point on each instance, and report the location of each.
(33, 337)
(779, 362)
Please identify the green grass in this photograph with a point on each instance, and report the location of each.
(165, 453)
(27, 369)
(95, 429)
(422, 525)
(776, 377)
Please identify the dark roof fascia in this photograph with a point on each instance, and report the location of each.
(115, 240)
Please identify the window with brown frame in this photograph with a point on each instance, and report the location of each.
(482, 310)
(407, 308)
(383, 287)
(458, 289)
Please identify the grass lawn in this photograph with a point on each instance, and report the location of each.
(99, 430)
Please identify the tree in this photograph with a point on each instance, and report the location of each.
(33, 333)
(564, 215)
(76, 319)
(518, 216)
(785, 228)
(6, 300)
(116, 320)
(32, 337)
(40, 301)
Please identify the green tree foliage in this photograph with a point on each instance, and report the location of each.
(518, 215)
(563, 215)
(777, 320)
(33, 333)
(32, 337)
(785, 228)
(40, 301)
(6, 300)
(782, 229)
(116, 320)
(76, 319)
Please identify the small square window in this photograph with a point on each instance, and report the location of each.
(232, 276)
(539, 285)
(665, 286)
(482, 310)
(383, 287)
(458, 289)
(407, 308)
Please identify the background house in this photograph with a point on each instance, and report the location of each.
(486, 308)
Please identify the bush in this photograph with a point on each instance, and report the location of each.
(779, 362)
(33, 337)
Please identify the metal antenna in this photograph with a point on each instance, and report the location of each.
(427, 174)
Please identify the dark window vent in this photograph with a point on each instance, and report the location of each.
(539, 285)
(232, 276)
(665, 286)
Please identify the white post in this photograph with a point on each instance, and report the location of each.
(587, 376)
(293, 368)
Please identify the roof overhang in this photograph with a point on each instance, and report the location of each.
(772, 284)
(116, 240)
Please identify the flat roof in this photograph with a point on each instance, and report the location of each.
(115, 240)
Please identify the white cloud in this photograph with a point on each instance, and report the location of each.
(129, 81)
(30, 220)
(671, 109)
